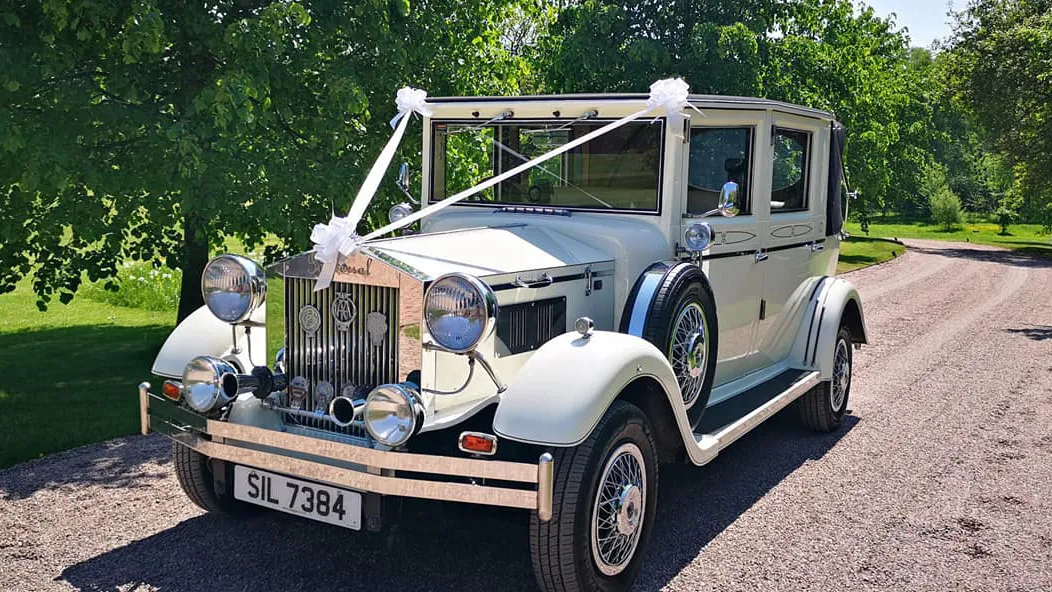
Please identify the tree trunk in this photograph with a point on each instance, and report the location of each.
(195, 256)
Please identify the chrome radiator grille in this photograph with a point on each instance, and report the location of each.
(344, 336)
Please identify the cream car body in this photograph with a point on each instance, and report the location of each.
(534, 383)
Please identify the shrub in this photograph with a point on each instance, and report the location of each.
(138, 285)
(945, 208)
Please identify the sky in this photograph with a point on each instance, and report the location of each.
(925, 19)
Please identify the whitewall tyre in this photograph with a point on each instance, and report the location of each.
(603, 508)
(823, 407)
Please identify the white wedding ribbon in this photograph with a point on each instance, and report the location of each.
(339, 236)
(668, 98)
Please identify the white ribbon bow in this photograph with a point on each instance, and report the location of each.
(339, 236)
(410, 100)
(668, 97)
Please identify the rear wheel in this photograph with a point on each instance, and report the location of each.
(194, 471)
(603, 508)
(823, 407)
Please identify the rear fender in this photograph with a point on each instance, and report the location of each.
(833, 303)
(564, 389)
(202, 334)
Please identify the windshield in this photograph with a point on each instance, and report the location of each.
(619, 170)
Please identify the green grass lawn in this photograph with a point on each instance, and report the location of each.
(68, 375)
(860, 251)
(1029, 238)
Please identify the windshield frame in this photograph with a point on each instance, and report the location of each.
(555, 122)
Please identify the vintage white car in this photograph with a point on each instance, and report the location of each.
(647, 296)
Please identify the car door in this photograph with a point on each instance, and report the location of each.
(727, 146)
(795, 229)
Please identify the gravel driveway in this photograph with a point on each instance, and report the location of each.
(940, 480)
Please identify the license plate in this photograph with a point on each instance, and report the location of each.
(302, 498)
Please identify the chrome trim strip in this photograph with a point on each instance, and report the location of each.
(645, 296)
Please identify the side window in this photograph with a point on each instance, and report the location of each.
(792, 158)
(718, 155)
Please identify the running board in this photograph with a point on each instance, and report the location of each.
(711, 443)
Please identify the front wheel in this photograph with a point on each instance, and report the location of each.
(823, 407)
(193, 470)
(603, 508)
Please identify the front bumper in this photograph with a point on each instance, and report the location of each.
(382, 472)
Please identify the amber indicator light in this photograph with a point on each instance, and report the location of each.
(478, 443)
(172, 390)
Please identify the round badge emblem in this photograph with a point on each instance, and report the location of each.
(344, 311)
(310, 319)
(376, 325)
(323, 394)
(298, 388)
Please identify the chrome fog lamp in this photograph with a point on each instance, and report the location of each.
(460, 311)
(203, 383)
(392, 414)
(233, 287)
(698, 236)
(399, 211)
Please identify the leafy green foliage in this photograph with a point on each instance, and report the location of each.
(1000, 67)
(138, 285)
(151, 129)
(946, 208)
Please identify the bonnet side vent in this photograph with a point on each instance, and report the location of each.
(527, 326)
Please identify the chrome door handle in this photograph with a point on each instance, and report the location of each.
(761, 256)
(538, 282)
(817, 247)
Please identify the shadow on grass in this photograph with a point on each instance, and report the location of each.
(61, 387)
(445, 546)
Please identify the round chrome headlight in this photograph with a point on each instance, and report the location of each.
(392, 414)
(233, 287)
(698, 236)
(203, 383)
(460, 311)
(399, 211)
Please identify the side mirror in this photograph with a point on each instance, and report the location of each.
(728, 204)
(404, 181)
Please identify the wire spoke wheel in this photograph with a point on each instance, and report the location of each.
(689, 351)
(841, 376)
(617, 516)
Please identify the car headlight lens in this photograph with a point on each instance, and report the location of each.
(392, 414)
(460, 311)
(233, 287)
(398, 211)
(203, 383)
(698, 236)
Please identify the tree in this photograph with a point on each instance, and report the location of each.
(1002, 72)
(152, 129)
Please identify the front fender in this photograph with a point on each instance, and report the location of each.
(202, 334)
(835, 302)
(560, 394)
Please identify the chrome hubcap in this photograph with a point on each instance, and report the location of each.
(617, 516)
(841, 376)
(689, 351)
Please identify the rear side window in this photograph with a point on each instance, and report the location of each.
(718, 155)
(792, 159)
